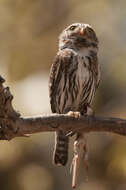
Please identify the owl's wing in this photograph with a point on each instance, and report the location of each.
(98, 74)
(95, 66)
(62, 61)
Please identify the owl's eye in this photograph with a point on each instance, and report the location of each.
(72, 27)
(90, 30)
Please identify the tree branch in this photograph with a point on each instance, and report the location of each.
(13, 125)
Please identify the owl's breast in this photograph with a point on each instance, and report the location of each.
(82, 78)
(72, 84)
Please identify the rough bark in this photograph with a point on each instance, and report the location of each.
(12, 124)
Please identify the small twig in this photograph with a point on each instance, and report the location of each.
(80, 152)
(75, 169)
(75, 165)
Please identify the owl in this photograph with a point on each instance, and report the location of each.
(74, 78)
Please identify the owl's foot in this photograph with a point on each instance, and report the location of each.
(74, 114)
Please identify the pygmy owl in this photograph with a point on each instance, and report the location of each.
(74, 78)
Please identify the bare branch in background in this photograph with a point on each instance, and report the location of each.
(13, 125)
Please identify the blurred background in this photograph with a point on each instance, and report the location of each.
(28, 44)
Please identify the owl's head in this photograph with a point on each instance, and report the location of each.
(77, 36)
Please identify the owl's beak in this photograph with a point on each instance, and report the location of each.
(82, 31)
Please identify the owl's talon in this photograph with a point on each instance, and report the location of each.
(74, 114)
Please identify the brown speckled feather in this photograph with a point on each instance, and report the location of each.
(74, 78)
(61, 69)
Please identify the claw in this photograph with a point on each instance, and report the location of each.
(74, 114)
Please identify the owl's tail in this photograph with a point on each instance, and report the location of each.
(60, 155)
